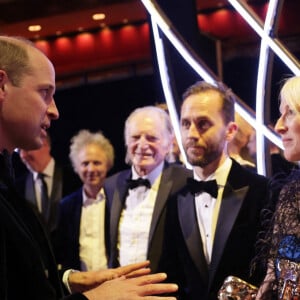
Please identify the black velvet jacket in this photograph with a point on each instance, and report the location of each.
(27, 265)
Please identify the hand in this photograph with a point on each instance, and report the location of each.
(82, 281)
(139, 288)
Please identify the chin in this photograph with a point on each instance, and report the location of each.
(31, 146)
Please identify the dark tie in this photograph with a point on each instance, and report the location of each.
(44, 195)
(210, 187)
(134, 183)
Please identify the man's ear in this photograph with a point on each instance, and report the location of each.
(232, 128)
(3, 81)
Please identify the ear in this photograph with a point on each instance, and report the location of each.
(3, 81)
(231, 131)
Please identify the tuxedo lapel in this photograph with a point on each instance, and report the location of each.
(77, 214)
(56, 193)
(161, 199)
(190, 230)
(117, 205)
(230, 207)
(55, 197)
(29, 189)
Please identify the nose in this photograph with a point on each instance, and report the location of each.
(192, 131)
(91, 167)
(142, 142)
(280, 126)
(52, 110)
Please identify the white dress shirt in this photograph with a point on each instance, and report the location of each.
(207, 207)
(136, 217)
(92, 233)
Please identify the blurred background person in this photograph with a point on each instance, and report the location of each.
(82, 223)
(279, 165)
(45, 182)
(174, 155)
(237, 147)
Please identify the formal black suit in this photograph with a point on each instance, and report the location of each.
(64, 182)
(69, 231)
(27, 266)
(172, 179)
(237, 227)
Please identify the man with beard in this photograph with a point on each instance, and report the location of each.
(213, 223)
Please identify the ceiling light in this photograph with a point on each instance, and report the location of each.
(97, 17)
(34, 28)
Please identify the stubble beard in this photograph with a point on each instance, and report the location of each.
(202, 161)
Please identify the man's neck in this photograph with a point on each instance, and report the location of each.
(206, 171)
(92, 192)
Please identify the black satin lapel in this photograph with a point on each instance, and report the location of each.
(116, 209)
(229, 210)
(29, 189)
(77, 213)
(57, 188)
(190, 230)
(160, 202)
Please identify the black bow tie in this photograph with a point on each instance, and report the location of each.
(196, 187)
(134, 183)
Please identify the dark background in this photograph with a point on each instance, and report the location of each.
(104, 104)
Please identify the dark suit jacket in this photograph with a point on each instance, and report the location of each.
(27, 265)
(244, 196)
(173, 178)
(67, 246)
(64, 182)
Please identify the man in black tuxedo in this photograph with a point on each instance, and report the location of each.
(212, 229)
(59, 180)
(138, 212)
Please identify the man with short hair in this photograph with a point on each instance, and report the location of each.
(27, 268)
(212, 224)
(44, 172)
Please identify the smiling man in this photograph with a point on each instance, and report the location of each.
(138, 196)
(81, 231)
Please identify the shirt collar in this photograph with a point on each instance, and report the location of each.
(48, 171)
(220, 174)
(86, 200)
(152, 176)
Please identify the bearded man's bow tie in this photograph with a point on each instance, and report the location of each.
(210, 187)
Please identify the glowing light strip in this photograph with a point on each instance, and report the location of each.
(261, 85)
(246, 12)
(165, 25)
(268, 133)
(199, 67)
(206, 74)
(163, 70)
(188, 54)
